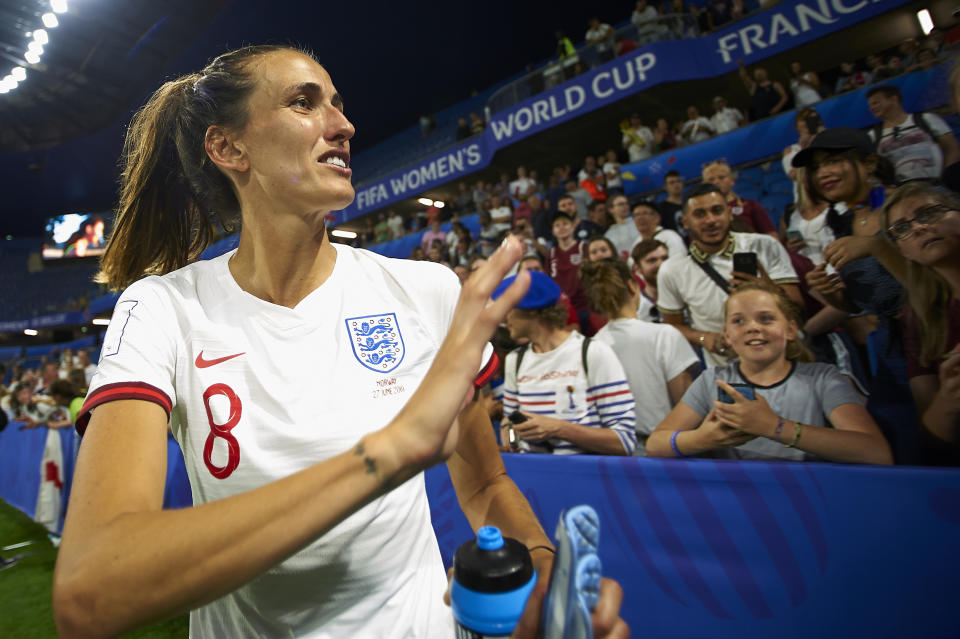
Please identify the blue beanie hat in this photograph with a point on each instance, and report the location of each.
(543, 291)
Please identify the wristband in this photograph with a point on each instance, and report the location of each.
(547, 548)
(776, 433)
(796, 435)
(673, 444)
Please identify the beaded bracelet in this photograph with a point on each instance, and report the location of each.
(796, 435)
(673, 444)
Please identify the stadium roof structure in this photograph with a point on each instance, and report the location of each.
(61, 128)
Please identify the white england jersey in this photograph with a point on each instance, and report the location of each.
(256, 392)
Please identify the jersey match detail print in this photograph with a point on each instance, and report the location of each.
(376, 341)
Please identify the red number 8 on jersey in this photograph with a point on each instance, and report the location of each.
(222, 431)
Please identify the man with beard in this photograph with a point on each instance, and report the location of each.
(701, 280)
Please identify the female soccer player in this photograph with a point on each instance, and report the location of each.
(305, 382)
(801, 410)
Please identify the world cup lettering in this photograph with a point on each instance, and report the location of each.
(222, 431)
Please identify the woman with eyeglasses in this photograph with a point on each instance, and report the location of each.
(923, 223)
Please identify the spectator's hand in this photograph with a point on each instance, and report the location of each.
(794, 244)
(847, 249)
(737, 278)
(714, 433)
(539, 427)
(715, 343)
(825, 283)
(750, 416)
(949, 374)
(28, 422)
(493, 406)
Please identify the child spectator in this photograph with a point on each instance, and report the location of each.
(801, 411)
(600, 248)
(564, 260)
(655, 358)
(583, 402)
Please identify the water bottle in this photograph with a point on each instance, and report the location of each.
(492, 579)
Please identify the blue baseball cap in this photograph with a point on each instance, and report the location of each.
(543, 291)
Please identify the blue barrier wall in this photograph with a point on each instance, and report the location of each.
(718, 548)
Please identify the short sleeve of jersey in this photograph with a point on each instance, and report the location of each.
(937, 125)
(701, 393)
(676, 354)
(139, 353)
(835, 389)
(777, 262)
(669, 300)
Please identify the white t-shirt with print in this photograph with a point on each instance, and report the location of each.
(726, 119)
(554, 384)
(273, 390)
(913, 153)
(683, 285)
(651, 355)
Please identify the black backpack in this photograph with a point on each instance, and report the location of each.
(522, 350)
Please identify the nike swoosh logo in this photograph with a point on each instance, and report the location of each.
(205, 363)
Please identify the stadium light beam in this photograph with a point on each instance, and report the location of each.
(344, 234)
(58, 6)
(49, 20)
(35, 47)
(926, 22)
(32, 332)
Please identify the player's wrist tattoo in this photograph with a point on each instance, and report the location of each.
(369, 463)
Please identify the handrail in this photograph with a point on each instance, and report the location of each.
(669, 26)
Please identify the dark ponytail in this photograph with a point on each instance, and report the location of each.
(171, 194)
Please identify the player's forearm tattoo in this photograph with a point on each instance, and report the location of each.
(370, 464)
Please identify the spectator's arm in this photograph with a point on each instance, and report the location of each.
(712, 342)
(951, 150)
(604, 441)
(811, 79)
(677, 386)
(783, 98)
(938, 399)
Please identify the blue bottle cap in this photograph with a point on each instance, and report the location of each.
(489, 538)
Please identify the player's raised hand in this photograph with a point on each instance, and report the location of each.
(425, 425)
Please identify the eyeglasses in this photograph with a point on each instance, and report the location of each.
(924, 215)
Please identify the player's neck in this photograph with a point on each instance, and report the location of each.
(566, 242)
(281, 267)
(547, 338)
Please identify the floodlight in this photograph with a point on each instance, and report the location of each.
(49, 20)
(41, 36)
(19, 73)
(58, 6)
